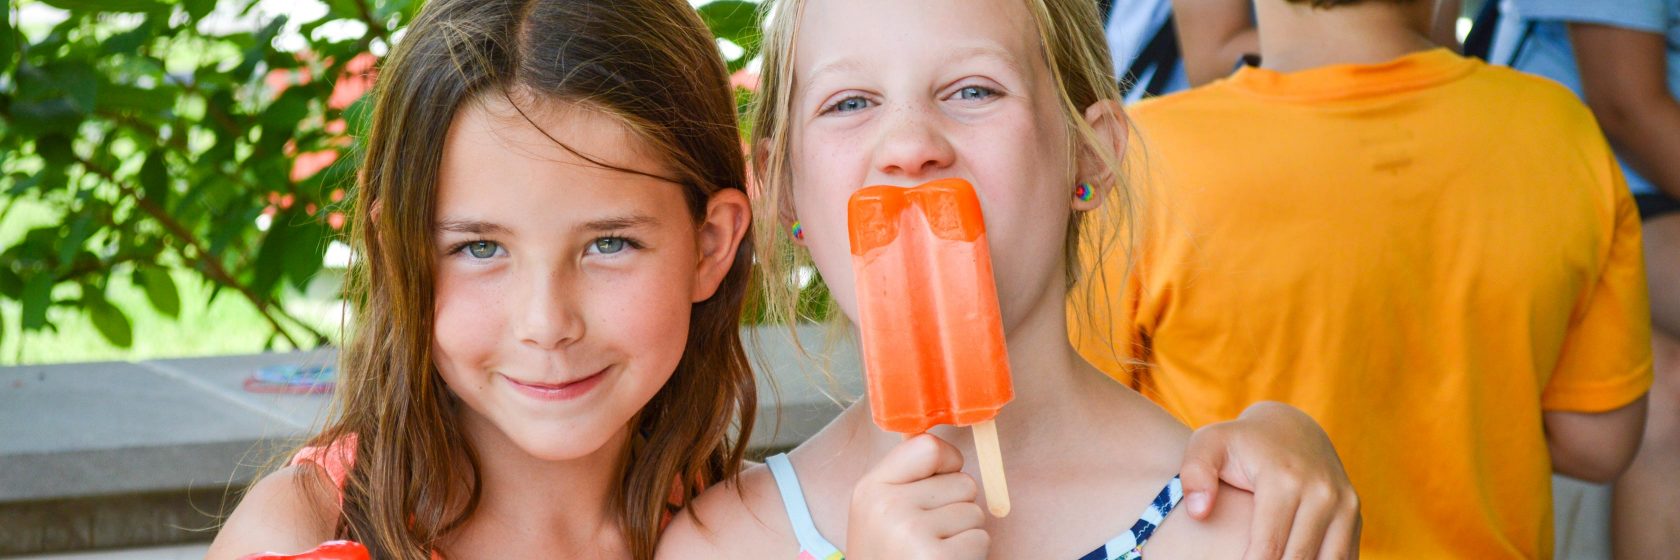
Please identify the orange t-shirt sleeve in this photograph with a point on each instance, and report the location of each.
(1606, 359)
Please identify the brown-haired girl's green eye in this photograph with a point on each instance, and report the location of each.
(609, 245)
(482, 249)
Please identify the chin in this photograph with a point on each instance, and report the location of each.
(569, 445)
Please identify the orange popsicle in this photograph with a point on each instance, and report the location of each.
(931, 333)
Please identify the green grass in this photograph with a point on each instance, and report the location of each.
(228, 325)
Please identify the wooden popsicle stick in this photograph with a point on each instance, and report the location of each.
(991, 468)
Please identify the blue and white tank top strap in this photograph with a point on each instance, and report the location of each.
(811, 542)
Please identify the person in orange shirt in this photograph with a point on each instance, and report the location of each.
(1436, 259)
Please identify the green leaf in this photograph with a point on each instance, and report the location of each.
(271, 256)
(388, 8)
(22, 184)
(154, 178)
(38, 117)
(307, 247)
(8, 40)
(37, 294)
(259, 48)
(11, 285)
(76, 80)
(739, 22)
(111, 322)
(160, 289)
(125, 97)
(197, 9)
(55, 150)
(80, 229)
(120, 6)
(280, 120)
(219, 108)
(53, 179)
(342, 8)
(127, 42)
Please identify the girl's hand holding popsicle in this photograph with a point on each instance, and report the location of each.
(917, 503)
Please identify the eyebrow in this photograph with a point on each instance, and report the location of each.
(835, 66)
(618, 223)
(974, 50)
(985, 51)
(470, 226)
(478, 227)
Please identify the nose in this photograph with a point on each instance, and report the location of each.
(552, 317)
(912, 144)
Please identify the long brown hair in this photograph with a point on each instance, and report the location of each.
(653, 66)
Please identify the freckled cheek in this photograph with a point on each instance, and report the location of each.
(645, 312)
(470, 314)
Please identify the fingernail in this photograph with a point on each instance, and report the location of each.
(1198, 503)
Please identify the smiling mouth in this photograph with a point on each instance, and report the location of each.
(557, 391)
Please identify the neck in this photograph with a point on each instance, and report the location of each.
(1296, 37)
(568, 504)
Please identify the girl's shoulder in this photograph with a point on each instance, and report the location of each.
(1224, 534)
(742, 518)
(291, 510)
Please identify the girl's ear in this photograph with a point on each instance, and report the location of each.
(1108, 120)
(375, 208)
(784, 204)
(721, 231)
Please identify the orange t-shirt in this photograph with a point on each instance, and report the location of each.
(1424, 255)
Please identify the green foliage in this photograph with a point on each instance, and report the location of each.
(738, 22)
(158, 132)
(188, 135)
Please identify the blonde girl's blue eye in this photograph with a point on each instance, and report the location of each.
(972, 93)
(849, 104)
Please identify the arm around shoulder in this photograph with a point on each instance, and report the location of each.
(289, 511)
(730, 520)
(1224, 534)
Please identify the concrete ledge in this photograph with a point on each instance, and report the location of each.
(104, 455)
(83, 524)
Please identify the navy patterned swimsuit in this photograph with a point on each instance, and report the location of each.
(812, 545)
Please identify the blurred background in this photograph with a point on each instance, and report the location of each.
(175, 177)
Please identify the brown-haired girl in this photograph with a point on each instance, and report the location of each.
(553, 258)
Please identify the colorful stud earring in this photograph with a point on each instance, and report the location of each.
(798, 231)
(1084, 192)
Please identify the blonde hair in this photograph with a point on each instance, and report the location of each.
(1076, 53)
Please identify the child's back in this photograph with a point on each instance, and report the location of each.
(1426, 255)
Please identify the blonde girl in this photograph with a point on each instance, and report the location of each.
(1017, 97)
